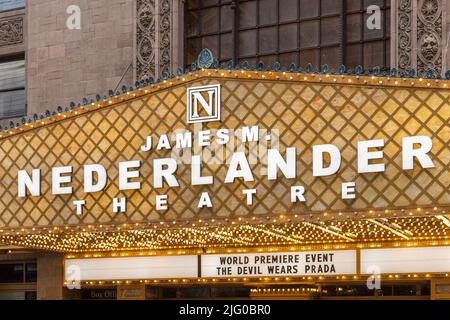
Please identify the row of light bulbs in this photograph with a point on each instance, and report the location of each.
(433, 230)
(285, 290)
(137, 251)
(319, 217)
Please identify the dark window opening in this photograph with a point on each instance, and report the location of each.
(18, 272)
(30, 272)
(12, 89)
(11, 273)
(8, 5)
(332, 32)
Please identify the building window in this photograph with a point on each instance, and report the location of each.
(12, 273)
(320, 32)
(30, 272)
(12, 89)
(7, 5)
(367, 47)
(18, 272)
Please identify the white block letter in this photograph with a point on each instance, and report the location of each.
(364, 155)
(196, 175)
(79, 206)
(335, 160)
(161, 202)
(32, 184)
(249, 193)
(250, 134)
(58, 179)
(159, 173)
(205, 200)
(348, 190)
(204, 138)
(409, 153)
(125, 175)
(119, 205)
(297, 194)
(89, 185)
(275, 161)
(238, 159)
(183, 140)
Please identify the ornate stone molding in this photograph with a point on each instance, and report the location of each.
(145, 39)
(11, 31)
(429, 36)
(164, 36)
(419, 35)
(404, 42)
(154, 38)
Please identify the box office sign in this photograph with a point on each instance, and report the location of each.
(279, 264)
(236, 148)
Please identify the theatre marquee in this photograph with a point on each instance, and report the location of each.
(219, 144)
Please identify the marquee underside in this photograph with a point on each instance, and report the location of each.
(401, 231)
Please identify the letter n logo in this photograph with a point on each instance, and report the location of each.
(203, 104)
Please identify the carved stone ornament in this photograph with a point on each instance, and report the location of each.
(11, 31)
(164, 35)
(404, 34)
(429, 35)
(145, 39)
(429, 46)
(420, 34)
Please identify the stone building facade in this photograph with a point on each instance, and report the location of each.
(66, 65)
(121, 41)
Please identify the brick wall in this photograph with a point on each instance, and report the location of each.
(66, 65)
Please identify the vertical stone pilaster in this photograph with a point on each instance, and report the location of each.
(430, 36)
(159, 37)
(419, 35)
(402, 34)
(165, 22)
(177, 34)
(50, 277)
(145, 39)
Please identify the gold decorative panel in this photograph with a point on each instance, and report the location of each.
(318, 110)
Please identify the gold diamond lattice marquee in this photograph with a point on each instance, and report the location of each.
(306, 110)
